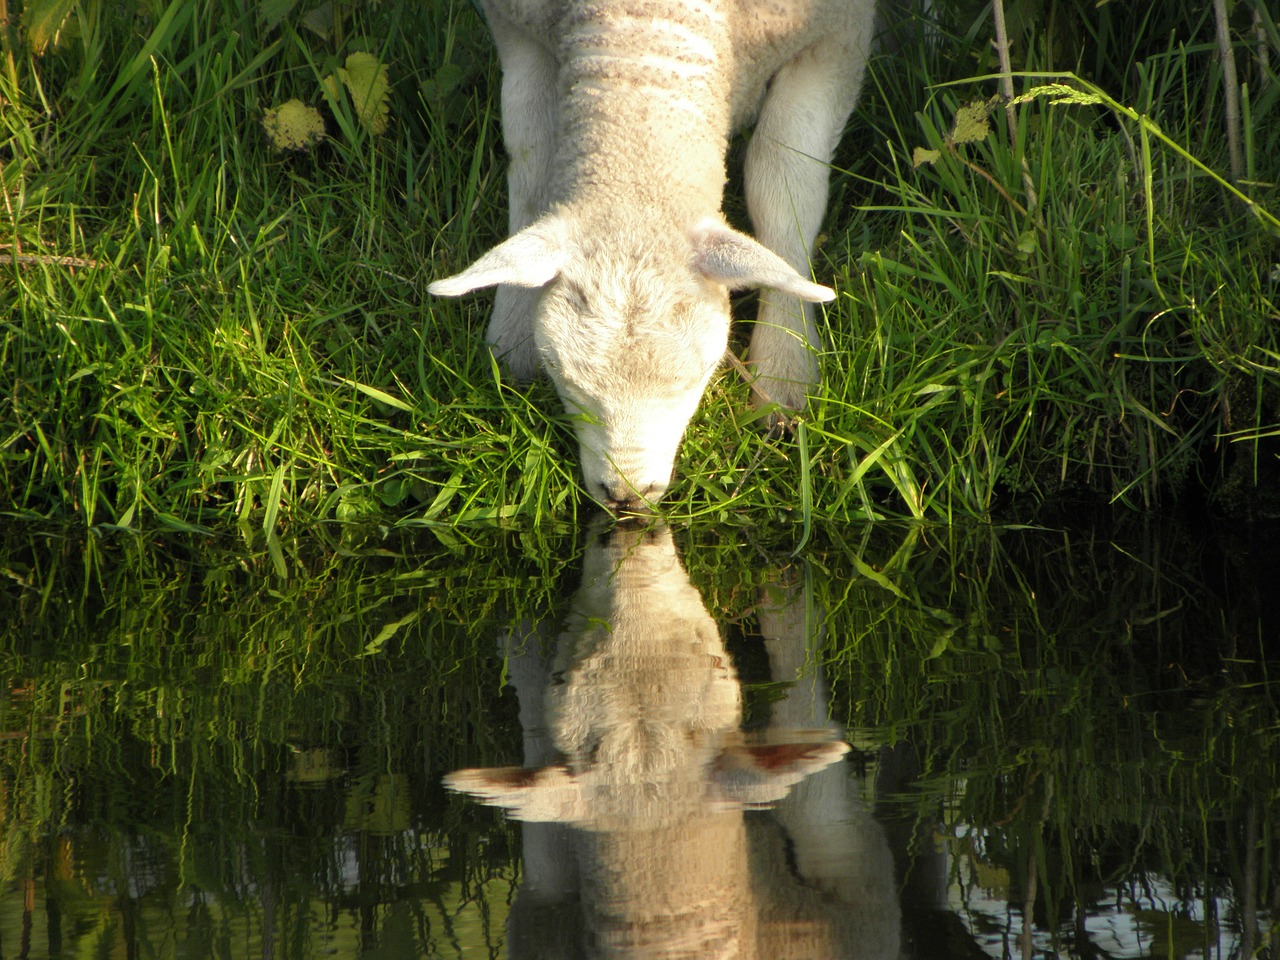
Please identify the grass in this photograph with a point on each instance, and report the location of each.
(199, 328)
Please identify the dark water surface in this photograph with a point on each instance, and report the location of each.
(642, 743)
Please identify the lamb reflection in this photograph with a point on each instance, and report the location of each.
(638, 779)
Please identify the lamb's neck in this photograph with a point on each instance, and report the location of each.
(646, 113)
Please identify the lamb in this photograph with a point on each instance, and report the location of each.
(615, 279)
(638, 779)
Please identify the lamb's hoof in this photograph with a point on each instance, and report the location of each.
(780, 401)
(779, 418)
(780, 421)
(783, 423)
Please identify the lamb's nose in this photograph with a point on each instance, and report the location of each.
(622, 498)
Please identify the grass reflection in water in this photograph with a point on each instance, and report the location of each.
(214, 750)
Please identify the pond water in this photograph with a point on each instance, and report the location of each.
(641, 742)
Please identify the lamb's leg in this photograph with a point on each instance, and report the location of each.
(836, 844)
(551, 873)
(529, 119)
(786, 176)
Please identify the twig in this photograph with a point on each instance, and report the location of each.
(34, 259)
(1006, 88)
(1264, 49)
(743, 372)
(1231, 85)
(781, 423)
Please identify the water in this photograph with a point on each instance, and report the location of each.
(645, 743)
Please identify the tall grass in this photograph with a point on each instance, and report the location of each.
(196, 327)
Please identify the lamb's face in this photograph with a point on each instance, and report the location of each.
(632, 320)
(631, 352)
(638, 699)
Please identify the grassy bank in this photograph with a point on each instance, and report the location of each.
(199, 326)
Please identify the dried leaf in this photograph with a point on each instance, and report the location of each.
(271, 12)
(331, 86)
(320, 20)
(971, 121)
(293, 126)
(368, 84)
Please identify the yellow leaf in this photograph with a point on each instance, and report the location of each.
(923, 155)
(293, 126)
(971, 122)
(368, 84)
(331, 86)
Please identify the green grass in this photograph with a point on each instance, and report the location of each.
(196, 328)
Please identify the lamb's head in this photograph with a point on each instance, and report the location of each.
(630, 346)
(631, 324)
(644, 706)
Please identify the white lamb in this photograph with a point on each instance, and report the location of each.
(638, 778)
(616, 118)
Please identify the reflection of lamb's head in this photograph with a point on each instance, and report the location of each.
(644, 705)
(647, 689)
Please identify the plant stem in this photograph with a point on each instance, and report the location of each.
(1231, 87)
(1006, 89)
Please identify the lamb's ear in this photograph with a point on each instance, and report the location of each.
(531, 258)
(762, 774)
(737, 261)
(549, 794)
